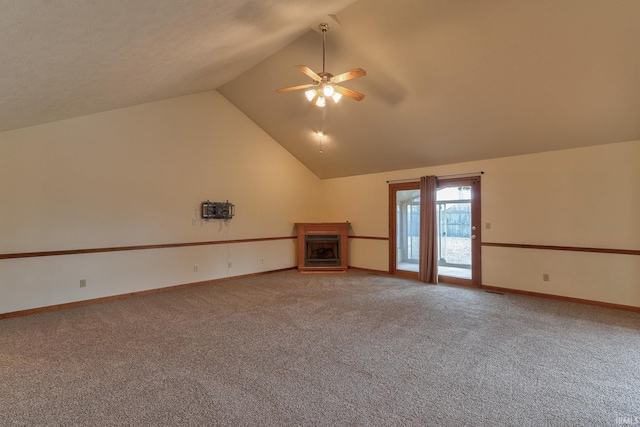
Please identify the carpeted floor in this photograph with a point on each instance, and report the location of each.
(288, 349)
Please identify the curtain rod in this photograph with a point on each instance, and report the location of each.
(439, 176)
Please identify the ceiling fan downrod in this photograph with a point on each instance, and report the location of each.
(324, 27)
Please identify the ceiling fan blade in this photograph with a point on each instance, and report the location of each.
(358, 72)
(309, 72)
(349, 93)
(292, 88)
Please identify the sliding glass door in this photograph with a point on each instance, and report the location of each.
(455, 231)
(408, 234)
(458, 230)
(404, 228)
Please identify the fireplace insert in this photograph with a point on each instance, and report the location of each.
(322, 250)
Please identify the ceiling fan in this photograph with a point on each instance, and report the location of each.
(325, 85)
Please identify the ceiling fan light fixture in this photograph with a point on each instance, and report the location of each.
(310, 94)
(326, 85)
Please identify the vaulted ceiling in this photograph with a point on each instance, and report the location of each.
(67, 58)
(447, 80)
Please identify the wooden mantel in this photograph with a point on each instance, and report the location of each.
(318, 230)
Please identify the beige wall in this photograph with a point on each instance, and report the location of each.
(136, 176)
(587, 197)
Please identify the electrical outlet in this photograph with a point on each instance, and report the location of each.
(83, 283)
(487, 225)
(230, 264)
(545, 277)
(262, 260)
(195, 268)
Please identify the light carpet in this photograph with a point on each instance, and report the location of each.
(313, 350)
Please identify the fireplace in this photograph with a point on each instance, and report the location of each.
(322, 247)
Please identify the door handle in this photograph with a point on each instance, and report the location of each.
(473, 236)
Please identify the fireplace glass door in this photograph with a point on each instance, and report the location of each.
(322, 250)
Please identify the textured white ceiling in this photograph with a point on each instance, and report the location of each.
(455, 80)
(447, 80)
(66, 58)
